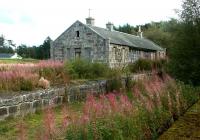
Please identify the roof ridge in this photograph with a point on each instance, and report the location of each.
(94, 30)
(117, 31)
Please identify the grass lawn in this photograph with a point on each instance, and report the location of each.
(14, 61)
(33, 122)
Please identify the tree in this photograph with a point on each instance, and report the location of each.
(191, 11)
(158, 36)
(40, 52)
(126, 29)
(5, 47)
(43, 51)
(184, 55)
(2, 40)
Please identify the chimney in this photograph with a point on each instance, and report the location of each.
(90, 21)
(109, 26)
(140, 33)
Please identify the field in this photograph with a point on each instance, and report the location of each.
(29, 75)
(142, 110)
(14, 61)
(136, 114)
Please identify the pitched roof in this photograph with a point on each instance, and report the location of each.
(121, 38)
(6, 55)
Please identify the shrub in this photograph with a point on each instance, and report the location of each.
(99, 70)
(114, 81)
(147, 65)
(140, 65)
(26, 85)
(83, 69)
(159, 64)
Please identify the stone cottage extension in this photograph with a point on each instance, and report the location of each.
(97, 44)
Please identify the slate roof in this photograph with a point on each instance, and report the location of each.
(126, 39)
(6, 55)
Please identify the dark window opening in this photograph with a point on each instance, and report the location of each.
(77, 52)
(77, 34)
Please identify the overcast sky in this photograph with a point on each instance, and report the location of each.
(31, 21)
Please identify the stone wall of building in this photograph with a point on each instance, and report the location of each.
(118, 55)
(80, 41)
(32, 101)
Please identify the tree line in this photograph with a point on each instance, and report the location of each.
(36, 52)
(181, 38)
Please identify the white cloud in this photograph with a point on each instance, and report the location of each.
(31, 21)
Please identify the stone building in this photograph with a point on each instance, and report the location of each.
(97, 44)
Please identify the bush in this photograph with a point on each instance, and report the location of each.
(147, 65)
(26, 85)
(140, 65)
(83, 69)
(114, 81)
(159, 64)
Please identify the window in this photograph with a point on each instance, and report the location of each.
(68, 53)
(77, 34)
(77, 52)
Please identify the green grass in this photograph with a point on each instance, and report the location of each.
(33, 122)
(186, 127)
(14, 61)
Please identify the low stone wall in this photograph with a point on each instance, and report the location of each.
(32, 101)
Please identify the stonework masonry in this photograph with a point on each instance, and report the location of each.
(80, 41)
(28, 103)
(102, 45)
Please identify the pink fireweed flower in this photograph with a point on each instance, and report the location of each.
(113, 101)
(125, 104)
(85, 119)
(49, 64)
(136, 92)
(178, 102)
(105, 105)
(90, 107)
(49, 123)
(149, 105)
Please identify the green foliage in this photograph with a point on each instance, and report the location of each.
(190, 94)
(158, 36)
(83, 69)
(26, 85)
(114, 81)
(18, 61)
(36, 52)
(184, 61)
(147, 65)
(126, 29)
(140, 65)
(5, 48)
